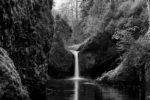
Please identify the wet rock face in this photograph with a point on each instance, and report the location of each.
(11, 87)
(62, 61)
(97, 56)
(123, 74)
(128, 72)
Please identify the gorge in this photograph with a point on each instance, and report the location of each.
(85, 50)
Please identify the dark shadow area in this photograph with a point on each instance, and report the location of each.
(87, 90)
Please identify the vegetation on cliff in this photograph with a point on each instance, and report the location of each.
(61, 60)
(116, 33)
(26, 32)
(11, 87)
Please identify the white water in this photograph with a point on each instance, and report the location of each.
(76, 77)
(77, 71)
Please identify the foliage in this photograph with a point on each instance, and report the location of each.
(62, 29)
(131, 24)
(118, 25)
(26, 31)
(85, 7)
(99, 8)
(11, 87)
(136, 58)
(60, 59)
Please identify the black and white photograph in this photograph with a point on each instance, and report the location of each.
(74, 49)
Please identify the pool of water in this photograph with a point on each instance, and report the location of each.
(87, 90)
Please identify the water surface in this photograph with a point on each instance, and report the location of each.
(86, 90)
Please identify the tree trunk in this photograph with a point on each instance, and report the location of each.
(77, 10)
(148, 8)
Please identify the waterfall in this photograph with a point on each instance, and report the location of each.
(77, 71)
(76, 77)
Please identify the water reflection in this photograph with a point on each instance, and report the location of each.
(76, 90)
(85, 90)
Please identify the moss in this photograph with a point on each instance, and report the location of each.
(10, 82)
(26, 33)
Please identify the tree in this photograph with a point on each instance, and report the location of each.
(71, 10)
(62, 29)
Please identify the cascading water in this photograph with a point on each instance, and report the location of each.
(77, 71)
(76, 75)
